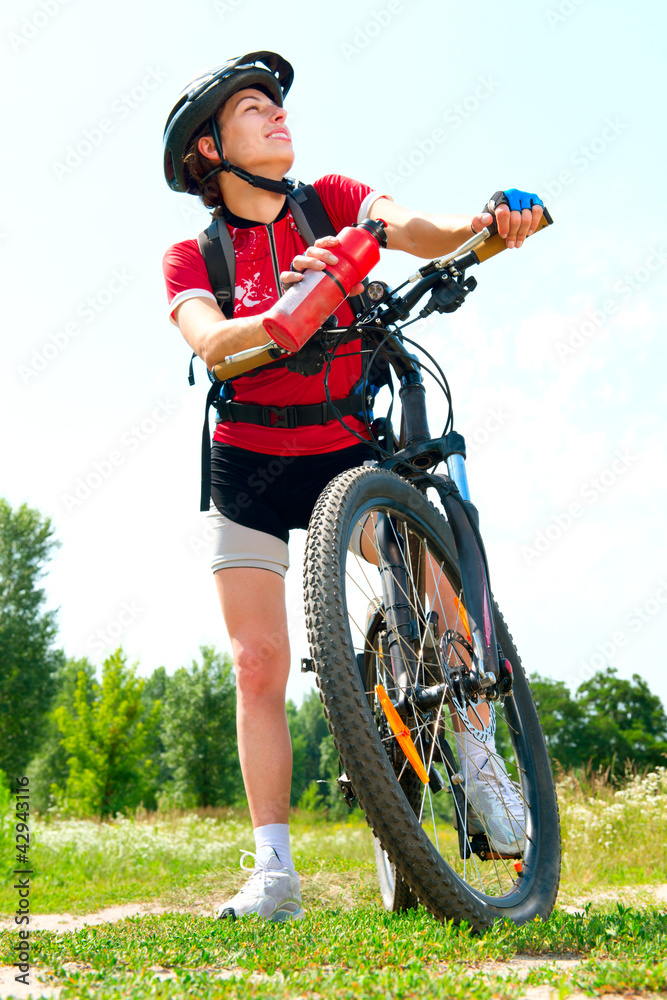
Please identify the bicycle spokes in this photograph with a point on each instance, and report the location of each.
(413, 643)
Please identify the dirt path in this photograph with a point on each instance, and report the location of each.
(69, 922)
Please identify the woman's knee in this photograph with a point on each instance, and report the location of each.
(262, 665)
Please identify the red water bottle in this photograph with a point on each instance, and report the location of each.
(308, 303)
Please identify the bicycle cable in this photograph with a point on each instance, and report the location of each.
(440, 380)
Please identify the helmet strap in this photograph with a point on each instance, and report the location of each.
(217, 139)
(265, 183)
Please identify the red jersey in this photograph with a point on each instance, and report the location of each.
(262, 251)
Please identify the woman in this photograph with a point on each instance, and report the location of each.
(227, 140)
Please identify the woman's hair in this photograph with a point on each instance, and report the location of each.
(198, 166)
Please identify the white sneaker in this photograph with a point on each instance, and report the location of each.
(497, 807)
(272, 891)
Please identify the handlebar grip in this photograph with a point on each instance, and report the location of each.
(226, 370)
(494, 244)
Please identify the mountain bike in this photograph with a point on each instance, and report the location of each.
(416, 669)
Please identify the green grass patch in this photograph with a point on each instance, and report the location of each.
(83, 865)
(337, 952)
(611, 836)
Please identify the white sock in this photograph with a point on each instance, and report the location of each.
(275, 835)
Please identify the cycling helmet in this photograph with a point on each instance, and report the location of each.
(201, 99)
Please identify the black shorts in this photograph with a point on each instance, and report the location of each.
(275, 493)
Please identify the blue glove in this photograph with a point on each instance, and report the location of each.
(517, 200)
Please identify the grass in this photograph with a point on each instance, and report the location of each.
(612, 836)
(347, 946)
(352, 953)
(83, 865)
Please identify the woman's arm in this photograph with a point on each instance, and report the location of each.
(211, 336)
(434, 235)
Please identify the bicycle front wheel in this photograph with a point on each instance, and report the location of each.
(464, 808)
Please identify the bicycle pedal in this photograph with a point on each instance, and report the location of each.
(480, 846)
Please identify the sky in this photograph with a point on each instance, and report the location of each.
(556, 362)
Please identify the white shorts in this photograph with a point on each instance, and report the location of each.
(235, 546)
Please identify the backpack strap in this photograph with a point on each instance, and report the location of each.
(292, 416)
(217, 249)
(205, 497)
(316, 223)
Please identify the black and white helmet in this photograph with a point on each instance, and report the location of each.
(202, 97)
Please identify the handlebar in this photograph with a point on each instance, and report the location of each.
(443, 276)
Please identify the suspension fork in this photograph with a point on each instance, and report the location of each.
(402, 627)
(463, 520)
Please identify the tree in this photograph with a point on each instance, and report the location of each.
(49, 768)
(28, 662)
(198, 732)
(308, 727)
(561, 717)
(316, 764)
(624, 721)
(609, 721)
(109, 770)
(153, 697)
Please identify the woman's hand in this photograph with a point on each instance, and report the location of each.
(516, 221)
(314, 258)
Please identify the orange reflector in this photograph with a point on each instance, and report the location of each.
(402, 733)
(463, 616)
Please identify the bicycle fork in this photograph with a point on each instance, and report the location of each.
(402, 629)
(409, 626)
(462, 519)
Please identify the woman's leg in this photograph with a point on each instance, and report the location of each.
(253, 606)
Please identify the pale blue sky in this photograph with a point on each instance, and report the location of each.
(556, 362)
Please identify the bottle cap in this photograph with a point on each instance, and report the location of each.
(376, 228)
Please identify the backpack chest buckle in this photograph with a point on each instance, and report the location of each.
(279, 416)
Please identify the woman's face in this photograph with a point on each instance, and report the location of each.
(254, 134)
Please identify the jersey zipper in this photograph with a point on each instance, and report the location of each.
(274, 259)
